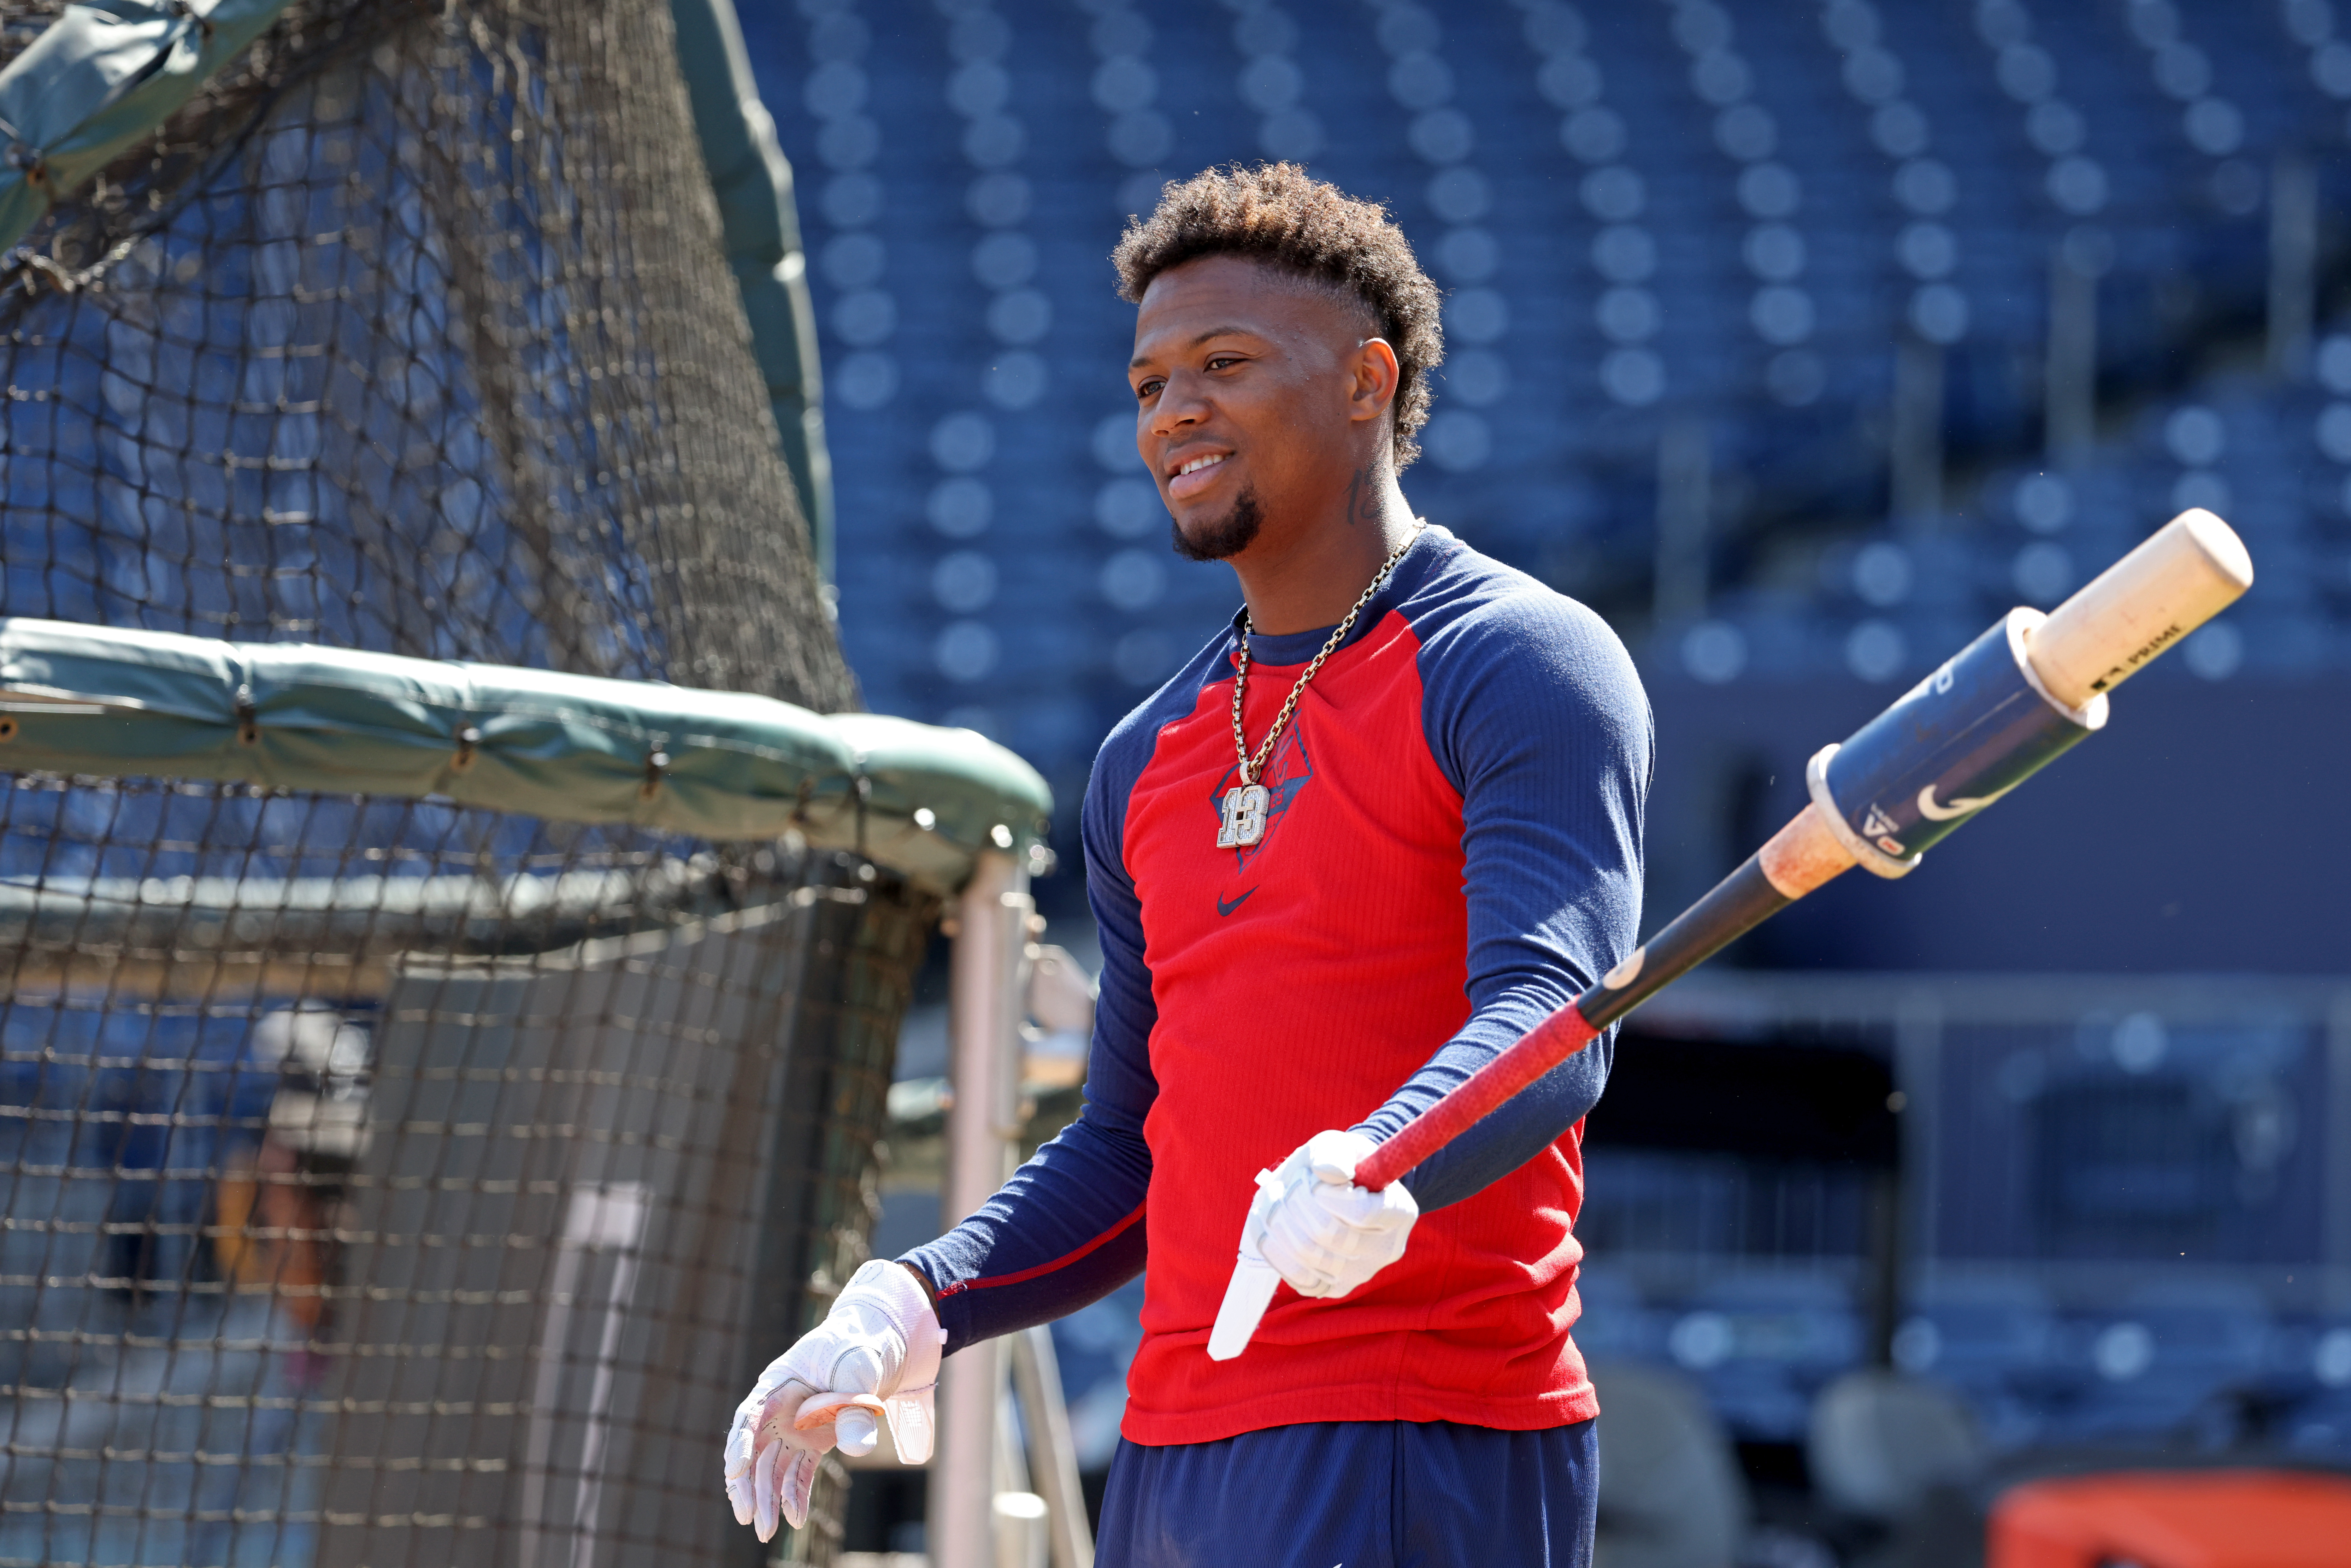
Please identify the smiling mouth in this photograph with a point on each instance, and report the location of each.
(1196, 475)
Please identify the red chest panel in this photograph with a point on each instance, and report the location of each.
(1291, 952)
(1298, 983)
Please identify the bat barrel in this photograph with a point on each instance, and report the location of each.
(2181, 576)
(1976, 728)
(2019, 696)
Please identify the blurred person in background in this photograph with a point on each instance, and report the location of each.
(277, 1205)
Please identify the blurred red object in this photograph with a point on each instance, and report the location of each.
(2153, 1519)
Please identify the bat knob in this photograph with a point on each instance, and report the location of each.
(1247, 1295)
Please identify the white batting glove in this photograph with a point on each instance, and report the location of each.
(876, 1353)
(1322, 1233)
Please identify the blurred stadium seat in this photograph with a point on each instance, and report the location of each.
(2161, 1360)
(1881, 1442)
(1617, 1324)
(2318, 1386)
(1991, 1339)
(1762, 1344)
(1670, 1491)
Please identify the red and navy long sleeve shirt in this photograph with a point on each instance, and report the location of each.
(1453, 850)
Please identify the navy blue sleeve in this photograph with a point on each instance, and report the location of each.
(1534, 713)
(1067, 1229)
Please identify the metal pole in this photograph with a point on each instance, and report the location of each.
(1919, 1073)
(1918, 439)
(2337, 1213)
(1886, 1202)
(984, 1016)
(2069, 399)
(1684, 496)
(1052, 1452)
(2294, 263)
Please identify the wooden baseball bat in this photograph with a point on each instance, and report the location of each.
(2015, 699)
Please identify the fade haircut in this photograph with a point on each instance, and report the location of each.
(1276, 214)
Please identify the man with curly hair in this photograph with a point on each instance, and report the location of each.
(1384, 822)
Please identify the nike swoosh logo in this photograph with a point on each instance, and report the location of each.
(1224, 908)
(1958, 805)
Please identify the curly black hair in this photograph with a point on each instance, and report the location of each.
(1274, 212)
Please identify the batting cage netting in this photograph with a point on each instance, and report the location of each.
(410, 332)
(426, 1091)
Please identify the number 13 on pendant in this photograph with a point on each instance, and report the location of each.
(1243, 826)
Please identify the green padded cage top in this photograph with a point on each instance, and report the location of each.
(574, 749)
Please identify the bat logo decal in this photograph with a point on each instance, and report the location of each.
(1960, 806)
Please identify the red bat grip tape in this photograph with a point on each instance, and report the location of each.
(1542, 1048)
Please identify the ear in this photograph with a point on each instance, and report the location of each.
(1377, 378)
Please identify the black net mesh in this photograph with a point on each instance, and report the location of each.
(392, 1182)
(410, 333)
(383, 1182)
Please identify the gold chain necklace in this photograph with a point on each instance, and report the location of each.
(1242, 825)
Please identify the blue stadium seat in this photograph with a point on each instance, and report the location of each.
(1762, 1344)
(1618, 1323)
(2308, 1386)
(1992, 1340)
(2155, 1365)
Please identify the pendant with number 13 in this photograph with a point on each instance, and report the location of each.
(1242, 826)
(1244, 822)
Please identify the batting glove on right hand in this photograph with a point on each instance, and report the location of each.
(1322, 1233)
(877, 1352)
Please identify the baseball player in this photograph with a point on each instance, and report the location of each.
(1385, 821)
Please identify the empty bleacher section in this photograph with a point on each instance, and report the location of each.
(2121, 1199)
(1729, 285)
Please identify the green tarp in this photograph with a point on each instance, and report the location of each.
(718, 765)
(760, 230)
(101, 77)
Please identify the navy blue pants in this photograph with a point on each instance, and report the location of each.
(1356, 1494)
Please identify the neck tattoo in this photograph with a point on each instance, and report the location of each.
(1243, 824)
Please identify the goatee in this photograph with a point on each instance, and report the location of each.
(1227, 537)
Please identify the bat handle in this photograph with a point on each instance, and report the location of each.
(1542, 1048)
(1800, 857)
(1767, 883)
(1250, 1290)
(1247, 1295)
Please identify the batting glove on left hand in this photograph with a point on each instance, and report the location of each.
(877, 1352)
(1322, 1233)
